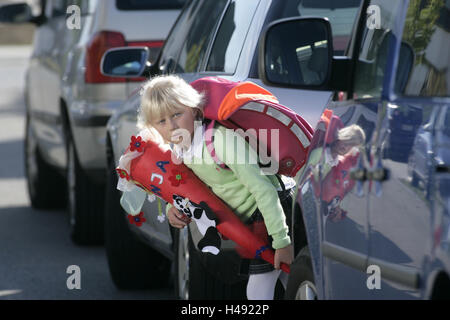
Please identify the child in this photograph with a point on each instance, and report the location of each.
(173, 108)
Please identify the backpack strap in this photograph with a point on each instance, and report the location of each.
(209, 141)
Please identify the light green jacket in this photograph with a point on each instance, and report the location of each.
(244, 188)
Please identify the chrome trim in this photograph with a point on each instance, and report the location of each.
(345, 256)
(406, 276)
(403, 275)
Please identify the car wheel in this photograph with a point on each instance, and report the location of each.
(301, 284)
(85, 202)
(181, 263)
(46, 187)
(132, 264)
(414, 179)
(193, 280)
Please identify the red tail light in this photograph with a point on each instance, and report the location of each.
(99, 44)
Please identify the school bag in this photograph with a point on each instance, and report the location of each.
(247, 106)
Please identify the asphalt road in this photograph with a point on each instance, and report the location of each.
(35, 248)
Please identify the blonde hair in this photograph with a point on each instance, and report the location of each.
(352, 134)
(166, 94)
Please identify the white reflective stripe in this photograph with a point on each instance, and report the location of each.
(300, 135)
(274, 113)
(254, 106)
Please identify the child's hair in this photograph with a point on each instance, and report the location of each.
(165, 94)
(352, 134)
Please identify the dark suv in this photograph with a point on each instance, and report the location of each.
(373, 199)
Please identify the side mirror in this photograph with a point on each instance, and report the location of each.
(125, 62)
(16, 13)
(297, 53)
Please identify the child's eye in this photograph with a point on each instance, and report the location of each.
(176, 114)
(162, 121)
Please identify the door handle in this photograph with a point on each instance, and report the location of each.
(379, 174)
(442, 168)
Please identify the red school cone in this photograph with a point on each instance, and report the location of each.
(155, 171)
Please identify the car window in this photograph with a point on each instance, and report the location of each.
(56, 8)
(149, 4)
(231, 35)
(443, 119)
(427, 34)
(373, 53)
(206, 17)
(340, 13)
(174, 41)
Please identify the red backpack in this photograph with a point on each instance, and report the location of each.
(245, 105)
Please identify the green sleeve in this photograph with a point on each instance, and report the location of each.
(168, 206)
(242, 160)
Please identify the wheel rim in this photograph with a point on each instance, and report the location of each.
(306, 291)
(31, 161)
(71, 182)
(183, 264)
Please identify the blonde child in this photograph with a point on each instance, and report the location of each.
(173, 108)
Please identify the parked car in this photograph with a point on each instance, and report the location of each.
(371, 233)
(69, 101)
(431, 145)
(210, 38)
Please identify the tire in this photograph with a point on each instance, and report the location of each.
(132, 264)
(301, 284)
(414, 180)
(46, 187)
(85, 202)
(182, 260)
(193, 280)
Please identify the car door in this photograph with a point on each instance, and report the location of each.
(344, 191)
(342, 200)
(45, 76)
(44, 40)
(401, 209)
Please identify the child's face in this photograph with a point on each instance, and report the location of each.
(174, 126)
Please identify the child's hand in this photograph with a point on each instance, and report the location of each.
(177, 219)
(285, 255)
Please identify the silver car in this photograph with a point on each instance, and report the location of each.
(69, 101)
(210, 38)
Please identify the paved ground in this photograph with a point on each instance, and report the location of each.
(35, 249)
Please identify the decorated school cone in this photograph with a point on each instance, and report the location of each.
(155, 172)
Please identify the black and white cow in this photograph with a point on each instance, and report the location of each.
(206, 222)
